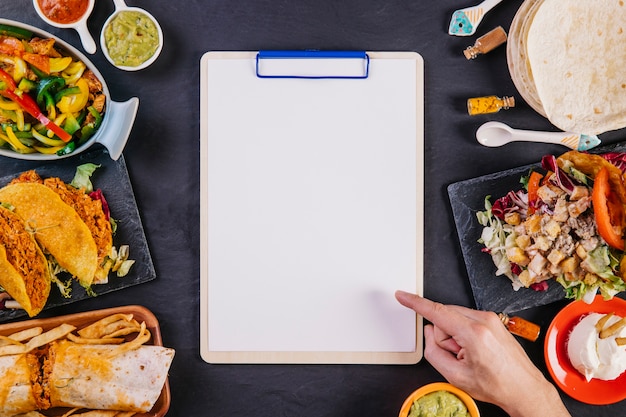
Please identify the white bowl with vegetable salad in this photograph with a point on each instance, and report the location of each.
(53, 106)
(131, 38)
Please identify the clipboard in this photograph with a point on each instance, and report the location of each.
(311, 206)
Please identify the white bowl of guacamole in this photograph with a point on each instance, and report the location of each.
(439, 399)
(131, 38)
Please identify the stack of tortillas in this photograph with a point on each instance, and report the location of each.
(567, 58)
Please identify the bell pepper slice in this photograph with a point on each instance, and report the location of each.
(7, 30)
(608, 212)
(30, 106)
(48, 85)
(73, 103)
(533, 186)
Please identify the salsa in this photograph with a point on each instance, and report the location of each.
(438, 404)
(131, 38)
(63, 11)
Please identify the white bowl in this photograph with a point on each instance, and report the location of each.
(79, 25)
(117, 121)
(120, 7)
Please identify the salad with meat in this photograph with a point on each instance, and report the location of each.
(566, 223)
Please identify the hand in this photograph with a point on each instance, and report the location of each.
(475, 352)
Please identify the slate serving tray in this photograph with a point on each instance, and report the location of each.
(112, 178)
(492, 292)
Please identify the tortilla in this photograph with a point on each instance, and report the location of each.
(517, 56)
(86, 376)
(58, 228)
(16, 392)
(24, 272)
(577, 58)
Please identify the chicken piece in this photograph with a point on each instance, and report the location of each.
(44, 47)
(579, 192)
(522, 241)
(542, 243)
(95, 86)
(561, 213)
(552, 228)
(537, 265)
(556, 256)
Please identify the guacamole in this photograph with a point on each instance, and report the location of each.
(131, 38)
(438, 404)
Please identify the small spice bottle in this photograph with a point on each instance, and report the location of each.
(486, 43)
(520, 327)
(488, 104)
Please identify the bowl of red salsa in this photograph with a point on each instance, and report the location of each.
(72, 14)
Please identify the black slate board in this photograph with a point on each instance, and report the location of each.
(492, 292)
(112, 178)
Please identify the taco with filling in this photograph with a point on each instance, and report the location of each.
(57, 228)
(89, 210)
(24, 271)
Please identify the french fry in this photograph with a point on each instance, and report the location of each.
(13, 349)
(613, 329)
(98, 341)
(621, 341)
(50, 336)
(600, 324)
(143, 337)
(97, 329)
(5, 341)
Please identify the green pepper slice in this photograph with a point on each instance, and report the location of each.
(48, 87)
(26, 85)
(66, 92)
(19, 33)
(67, 149)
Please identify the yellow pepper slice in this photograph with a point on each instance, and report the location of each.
(8, 105)
(49, 150)
(15, 142)
(75, 102)
(46, 140)
(59, 64)
(19, 114)
(73, 72)
(19, 69)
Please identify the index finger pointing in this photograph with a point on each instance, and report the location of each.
(450, 320)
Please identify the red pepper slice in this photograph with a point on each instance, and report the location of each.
(533, 185)
(30, 106)
(608, 211)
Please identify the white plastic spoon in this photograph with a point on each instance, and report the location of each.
(465, 21)
(494, 134)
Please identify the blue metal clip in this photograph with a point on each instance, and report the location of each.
(313, 55)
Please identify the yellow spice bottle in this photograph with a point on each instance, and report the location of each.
(488, 104)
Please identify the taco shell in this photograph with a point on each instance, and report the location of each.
(24, 272)
(57, 226)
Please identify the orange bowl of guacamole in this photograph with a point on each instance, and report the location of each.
(439, 399)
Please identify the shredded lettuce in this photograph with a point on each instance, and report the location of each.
(82, 178)
(495, 237)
